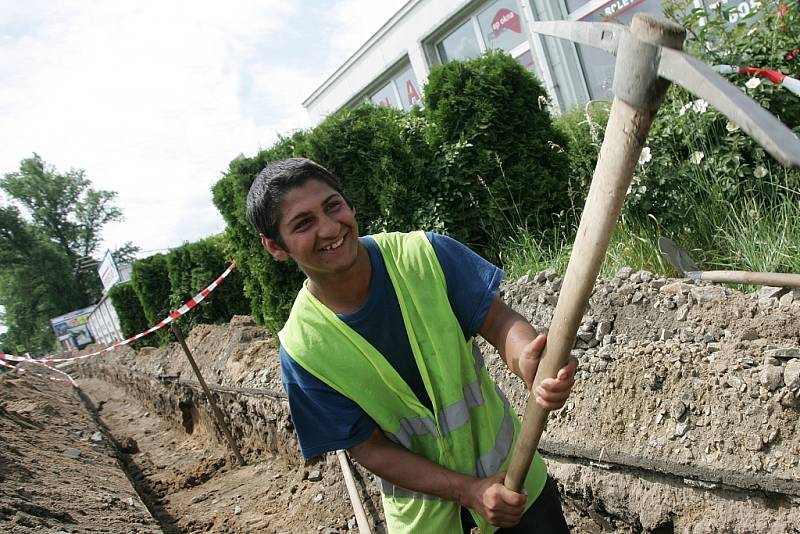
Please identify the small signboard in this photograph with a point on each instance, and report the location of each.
(109, 274)
(72, 328)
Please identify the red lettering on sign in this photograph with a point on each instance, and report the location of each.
(505, 19)
(413, 95)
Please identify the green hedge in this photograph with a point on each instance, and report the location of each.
(479, 163)
(266, 281)
(162, 283)
(501, 165)
(191, 268)
(130, 313)
(150, 280)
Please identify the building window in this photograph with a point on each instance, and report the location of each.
(461, 44)
(598, 66)
(386, 96)
(575, 5)
(501, 26)
(498, 26)
(401, 92)
(408, 88)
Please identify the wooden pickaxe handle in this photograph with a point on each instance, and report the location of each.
(626, 132)
(746, 277)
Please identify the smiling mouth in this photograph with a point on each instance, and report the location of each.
(333, 246)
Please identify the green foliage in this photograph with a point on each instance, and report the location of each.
(482, 160)
(269, 285)
(383, 161)
(150, 280)
(701, 180)
(67, 211)
(501, 164)
(191, 268)
(44, 270)
(130, 313)
(583, 131)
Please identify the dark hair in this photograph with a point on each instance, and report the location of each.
(272, 183)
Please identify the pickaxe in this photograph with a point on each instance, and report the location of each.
(649, 57)
(681, 261)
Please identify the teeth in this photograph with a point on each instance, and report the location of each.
(334, 245)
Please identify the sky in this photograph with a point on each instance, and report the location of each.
(154, 99)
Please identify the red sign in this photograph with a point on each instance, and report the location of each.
(413, 95)
(505, 19)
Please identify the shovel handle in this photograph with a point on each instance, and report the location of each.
(745, 277)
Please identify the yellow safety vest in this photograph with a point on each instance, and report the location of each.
(472, 428)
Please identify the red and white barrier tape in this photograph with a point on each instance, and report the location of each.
(778, 78)
(191, 303)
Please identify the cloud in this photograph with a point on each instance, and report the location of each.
(153, 99)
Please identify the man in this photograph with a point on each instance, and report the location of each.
(377, 358)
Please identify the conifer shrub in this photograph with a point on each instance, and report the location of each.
(130, 313)
(192, 267)
(269, 285)
(500, 164)
(480, 163)
(150, 280)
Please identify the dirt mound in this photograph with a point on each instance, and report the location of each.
(683, 419)
(693, 381)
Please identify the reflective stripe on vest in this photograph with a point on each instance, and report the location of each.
(451, 417)
(487, 465)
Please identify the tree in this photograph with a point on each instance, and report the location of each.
(45, 263)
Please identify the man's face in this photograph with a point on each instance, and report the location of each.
(318, 229)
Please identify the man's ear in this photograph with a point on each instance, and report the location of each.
(274, 248)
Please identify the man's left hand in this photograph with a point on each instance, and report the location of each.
(552, 393)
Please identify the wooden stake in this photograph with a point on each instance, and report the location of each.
(355, 499)
(217, 413)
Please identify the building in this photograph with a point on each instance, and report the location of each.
(393, 65)
(103, 321)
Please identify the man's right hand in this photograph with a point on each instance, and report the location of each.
(500, 506)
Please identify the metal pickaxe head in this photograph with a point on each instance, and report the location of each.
(645, 66)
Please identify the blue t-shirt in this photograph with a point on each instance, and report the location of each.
(326, 420)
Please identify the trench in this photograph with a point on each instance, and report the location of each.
(260, 423)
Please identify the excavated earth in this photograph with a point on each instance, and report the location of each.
(684, 418)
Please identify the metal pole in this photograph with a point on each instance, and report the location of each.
(217, 413)
(358, 507)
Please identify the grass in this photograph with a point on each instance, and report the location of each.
(747, 236)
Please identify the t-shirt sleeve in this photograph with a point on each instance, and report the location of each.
(324, 419)
(472, 281)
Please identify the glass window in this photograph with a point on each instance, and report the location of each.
(574, 5)
(386, 97)
(598, 66)
(526, 60)
(461, 44)
(501, 25)
(408, 88)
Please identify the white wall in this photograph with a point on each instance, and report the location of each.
(401, 36)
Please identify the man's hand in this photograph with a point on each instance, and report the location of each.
(498, 504)
(552, 393)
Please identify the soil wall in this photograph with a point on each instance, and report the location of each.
(683, 418)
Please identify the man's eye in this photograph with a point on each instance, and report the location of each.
(334, 205)
(302, 225)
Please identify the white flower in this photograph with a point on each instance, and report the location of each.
(760, 171)
(684, 109)
(645, 156)
(697, 157)
(752, 83)
(700, 105)
(732, 127)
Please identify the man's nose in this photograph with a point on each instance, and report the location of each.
(328, 226)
